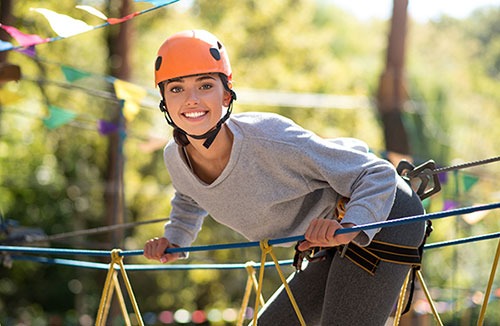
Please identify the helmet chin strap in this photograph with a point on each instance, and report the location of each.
(210, 135)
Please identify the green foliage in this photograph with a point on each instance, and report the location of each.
(54, 179)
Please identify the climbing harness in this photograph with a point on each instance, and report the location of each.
(379, 251)
(425, 183)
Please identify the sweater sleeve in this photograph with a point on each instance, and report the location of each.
(186, 219)
(368, 181)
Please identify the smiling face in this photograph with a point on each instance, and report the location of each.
(195, 103)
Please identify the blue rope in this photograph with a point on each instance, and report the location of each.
(145, 267)
(390, 223)
(174, 267)
(39, 250)
(461, 241)
(57, 38)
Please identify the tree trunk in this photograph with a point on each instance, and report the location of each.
(392, 92)
(119, 67)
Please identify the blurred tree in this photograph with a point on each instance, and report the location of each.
(55, 179)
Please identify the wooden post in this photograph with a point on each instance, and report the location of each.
(119, 67)
(392, 92)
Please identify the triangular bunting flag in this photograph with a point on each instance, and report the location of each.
(106, 127)
(130, 110)
(132, 95)
(469, 181)
(63, 25)
(58, 117)
(7, 97)
(71, 74)
(30, 51)
(113, 21)
(4, 46)
(22, 38)
(449, 204)
(93, 11)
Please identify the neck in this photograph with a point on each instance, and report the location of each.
(221, 146)
(208, 163)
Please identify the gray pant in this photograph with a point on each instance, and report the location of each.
(338, 292)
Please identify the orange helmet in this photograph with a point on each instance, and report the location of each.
(189, 53)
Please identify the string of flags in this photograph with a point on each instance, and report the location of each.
(65, 26)
(131, 95)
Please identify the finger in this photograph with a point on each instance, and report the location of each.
(331, 228)
(155, 248)
(322, 232)
(148, 249)
(346, 237)
(304, 245)
(313, 232)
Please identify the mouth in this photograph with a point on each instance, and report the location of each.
(195, 114)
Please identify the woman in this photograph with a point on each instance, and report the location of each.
(266, 177)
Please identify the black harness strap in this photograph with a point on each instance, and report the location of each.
(370, 256)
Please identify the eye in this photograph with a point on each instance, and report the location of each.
(206, 86)
(175, 89)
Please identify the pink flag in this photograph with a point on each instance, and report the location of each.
(23, 39)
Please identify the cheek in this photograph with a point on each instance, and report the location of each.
(173, 104)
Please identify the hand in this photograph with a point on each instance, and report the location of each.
(155, 249)
(321, 233)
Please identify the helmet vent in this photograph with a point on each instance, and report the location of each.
(215, 53)
(158, 63)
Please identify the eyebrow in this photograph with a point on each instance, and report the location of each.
(181, 79)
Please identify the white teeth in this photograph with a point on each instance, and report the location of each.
(194, 114)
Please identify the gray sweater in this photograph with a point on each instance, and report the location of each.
(279, 177)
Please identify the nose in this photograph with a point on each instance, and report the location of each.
(192, 98)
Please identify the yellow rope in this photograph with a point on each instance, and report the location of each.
(106, 291)
(110, 285)
(488, 289)
(428, 295)
(128, 286)
(251, 282)
(110, 292)
(401, 299)
(119, 294)
(267, 249)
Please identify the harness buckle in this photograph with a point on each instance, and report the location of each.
(312, 255)
(421, 179)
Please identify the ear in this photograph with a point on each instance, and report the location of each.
(227, 98)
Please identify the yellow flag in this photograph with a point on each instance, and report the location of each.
(132, 95)
(7, 97)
